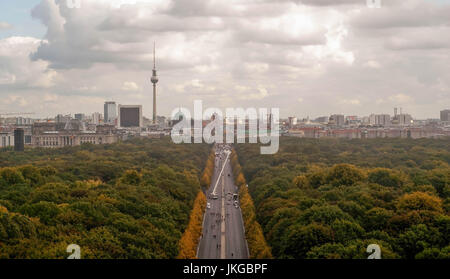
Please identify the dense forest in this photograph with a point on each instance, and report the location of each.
(126, 200)
(323, 198)
(331, 198)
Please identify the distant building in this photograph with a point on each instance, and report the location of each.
(352, 120)
(130, 116)
(79, 116)
(75, 125)
(292, 121)
(405, 119)
(19, 140)
(54, 135)
(322, 119)
(380, 119)
(337, 120)
(110, 112)
(24, 121)
(366, 120)
(96, 118)
(62, 118)
(27, 139)
(162, 121)
(445, 115)
(372, 119)
(384, 119)
(370, 132)
(41, 127)
(6, 139)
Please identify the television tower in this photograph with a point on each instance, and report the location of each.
(154, 80)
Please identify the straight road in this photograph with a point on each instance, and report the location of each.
(223, 234)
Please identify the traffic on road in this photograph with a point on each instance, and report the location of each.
(223, 235)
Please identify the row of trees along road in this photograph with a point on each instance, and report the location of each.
(257, 244)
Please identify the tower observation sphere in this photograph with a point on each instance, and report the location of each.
(154, 78)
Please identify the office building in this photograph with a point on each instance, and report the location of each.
(383, 119)
(110, 112)
(445, 115)
(19, 140)
(130, 116)
(380, 119)
(337, 120)
(96, 118)
(405, 119)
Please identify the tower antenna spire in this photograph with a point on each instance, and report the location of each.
(154, 55)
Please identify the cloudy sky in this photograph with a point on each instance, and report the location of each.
(307, 57)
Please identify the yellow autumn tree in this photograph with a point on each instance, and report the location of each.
(191, 236)
(419, 201)
(205, 180)
(240, 180)
(257, 245)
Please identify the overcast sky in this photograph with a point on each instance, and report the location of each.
(306, 57)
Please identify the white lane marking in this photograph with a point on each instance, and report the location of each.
(222, 239)
(223, 167)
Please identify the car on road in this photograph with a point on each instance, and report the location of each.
(208, 205)
(236, 204)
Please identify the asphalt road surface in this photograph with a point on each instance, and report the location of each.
(223, 234)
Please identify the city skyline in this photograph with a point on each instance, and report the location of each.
(111, 117)
(108, 120)
(339, 57)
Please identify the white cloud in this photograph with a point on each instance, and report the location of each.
(353, 102)
(7, 78)
(130, 86)
(373, 64)
(11, 100)
(17, 70)
(5, 25)
(401, 99)
(252, 94)
(48, 97)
